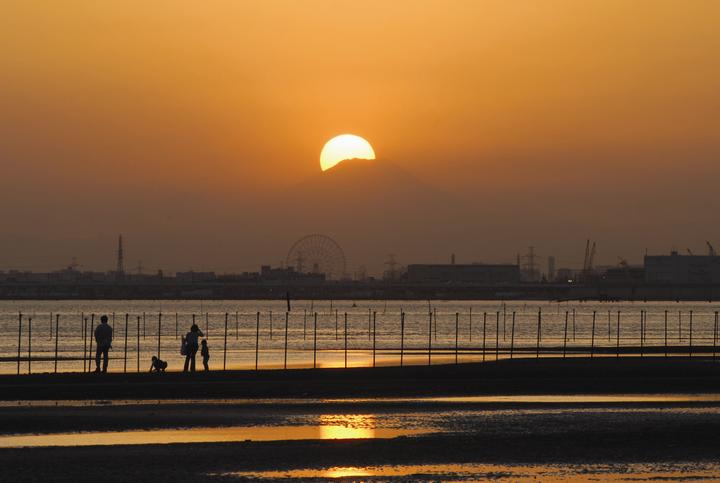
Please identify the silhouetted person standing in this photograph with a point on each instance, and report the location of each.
(191, 347)
(103, 338)
(205, 353)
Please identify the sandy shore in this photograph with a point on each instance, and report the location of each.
(520, 376)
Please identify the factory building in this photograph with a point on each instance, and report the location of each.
(682, 269)
(463, 274)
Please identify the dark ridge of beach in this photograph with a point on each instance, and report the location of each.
(581, 375)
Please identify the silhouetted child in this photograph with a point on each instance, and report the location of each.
(205, 353)
(158, 365)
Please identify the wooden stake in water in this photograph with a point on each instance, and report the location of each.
(314, 340)
(91, 333)
(304, 324)
(374, 336)
(225, 342)
(642, 314)
(29, 345)
(679, 326)
(565, 337)
(207, 325)
(159, 335)
(138, 344)
(666, 328)
(608, 326)
(457, 331)
(470, 322)
(497, 335)
(512, 336)
(144, 324)
(287, 316)
(436, 323)
(346, 340)
(484, 331)
(715, 335)
(690, 349)
(402, 337)
(57, 336)
(271, 326)
(429, 337)
(618, 334)
(257, 339)
(176, 325)
(592, 338)
(336, 324)
(127, 316)
(20, 316)
(573, 325)
(539, 333)
(84, 336)
(369, 324)
(51, 325)
(237, 326)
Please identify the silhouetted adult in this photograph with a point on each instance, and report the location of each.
(103, 338)
(191, 347)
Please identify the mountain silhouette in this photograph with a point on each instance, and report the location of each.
(373, 208)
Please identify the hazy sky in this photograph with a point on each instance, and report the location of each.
(186, 124)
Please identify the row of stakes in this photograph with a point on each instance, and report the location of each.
(89, 323)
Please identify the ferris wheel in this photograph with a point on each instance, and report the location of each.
(317, 254)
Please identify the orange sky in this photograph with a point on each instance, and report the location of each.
(580, 119)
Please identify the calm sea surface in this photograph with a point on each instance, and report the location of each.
(482, 329)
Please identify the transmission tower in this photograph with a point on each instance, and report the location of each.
(120, 269)
(530, 267)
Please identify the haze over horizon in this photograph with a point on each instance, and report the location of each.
(194, 129)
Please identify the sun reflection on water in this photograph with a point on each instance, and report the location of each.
(349, 426)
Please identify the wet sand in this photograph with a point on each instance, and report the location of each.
(542, 431)
(519, 376)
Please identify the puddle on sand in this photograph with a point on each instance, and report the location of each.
(482, 472)
(202, 435)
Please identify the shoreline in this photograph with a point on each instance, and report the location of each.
(575, 375)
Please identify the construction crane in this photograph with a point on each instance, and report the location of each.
(711, 250)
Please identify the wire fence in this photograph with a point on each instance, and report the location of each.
(64, 342)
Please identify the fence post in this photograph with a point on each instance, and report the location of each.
(592, 339)
(497, 335)
(618, 334)
(346, 340)
(429, 337)
(666, 345)
(57, 336)
(691, 334)
(470, 321)
(159, 333)
(402, 337)
(642, 330)
(287, 315)
(373, 336)
(91, 334)
(19, 340)
(85, 361)
(138, 344)
(30, 345)
(457, 327)
(369, 323)
(512, 336)
(715, 335)
(565, 337)
(484, 326)
(315, 340)
(126, 343)
(225, 342)
(257, 339)
(539, 333)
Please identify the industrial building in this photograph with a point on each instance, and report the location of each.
(682, 269)
(463, 274)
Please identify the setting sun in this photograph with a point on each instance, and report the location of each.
(342, 147)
